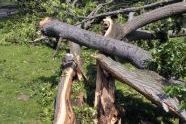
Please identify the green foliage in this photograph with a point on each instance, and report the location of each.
(18, 29)
(169, 58)
(30, 71)
(179, 91)
(85, 114)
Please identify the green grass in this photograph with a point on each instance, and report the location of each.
(30, 71)
(20, 68)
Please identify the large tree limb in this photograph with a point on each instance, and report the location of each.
(148, 83)
(154, 15)
(114, 30)
(75, 48)
(135, 54)
(63, 111)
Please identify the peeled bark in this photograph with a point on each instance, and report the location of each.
(148, 83)
(152, 16)
(135, 54)
(63, 110)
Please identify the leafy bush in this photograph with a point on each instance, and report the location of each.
(180, 92)
(18, 29)
(169, 58)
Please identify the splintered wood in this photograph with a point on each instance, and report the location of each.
(63, 110)
(105, 98)
(148, 83)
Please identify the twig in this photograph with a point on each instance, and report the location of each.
(92, 14)
(127, 10)
(38, 39)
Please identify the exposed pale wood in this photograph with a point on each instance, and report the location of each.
(105, 98)
(63, 111)
(148, 83)
(135, 54)
(115, 31)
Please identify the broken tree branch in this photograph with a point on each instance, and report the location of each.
(148, 83)
(114, 30)
(152, 16)
(63, 110)
(105, 98)
(138, 56)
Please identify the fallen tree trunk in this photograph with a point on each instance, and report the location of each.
(154, 15)
(148, 83)
(63, 110)
(138, 56)
(105, 98)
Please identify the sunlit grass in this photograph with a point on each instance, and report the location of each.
(20, 66)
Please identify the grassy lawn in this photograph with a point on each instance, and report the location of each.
(20, 69)
(28, 84)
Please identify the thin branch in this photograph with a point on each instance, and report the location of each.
(132, 9)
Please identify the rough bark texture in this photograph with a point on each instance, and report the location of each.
(105, 98)
(148, 83)
(128, 51)
(75, 49)
(63, 111)
(8, 10)
(154, 15)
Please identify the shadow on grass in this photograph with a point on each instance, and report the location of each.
(53, 80)
(139, 112)
(90, 86)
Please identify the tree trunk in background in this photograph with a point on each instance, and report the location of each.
(154, 15)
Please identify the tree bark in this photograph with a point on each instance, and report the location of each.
(148, 35)
(154, 15)
(63, 110)
(135, 54)
(148, 83)
(105, 98)
(75, 49)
